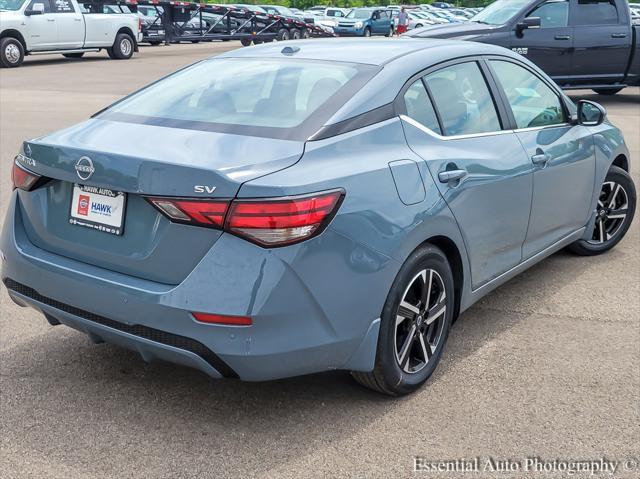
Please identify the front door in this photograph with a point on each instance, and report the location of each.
(480, 169)
(562, 155)
(41, 29)
(550, 46)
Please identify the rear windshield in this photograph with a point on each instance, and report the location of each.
(284, 98)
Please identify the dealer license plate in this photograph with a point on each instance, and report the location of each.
(98, 208)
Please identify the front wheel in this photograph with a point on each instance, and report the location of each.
(414, 326)
(11, 52)
(367, 32)
(607, 91)
(614, 213)
(122, 48)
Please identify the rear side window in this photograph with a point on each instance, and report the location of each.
(595, 12)
(463, 100)
(533, 103)
(419, 106)
(552, 14)
(62, 6)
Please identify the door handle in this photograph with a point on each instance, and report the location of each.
(618, 35)
(77, 19)
(451, 175)
(562, 37)
(51, 19)
(540, 159)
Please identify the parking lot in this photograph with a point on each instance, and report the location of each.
(546, 366)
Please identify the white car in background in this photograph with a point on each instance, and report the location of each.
(31, 27)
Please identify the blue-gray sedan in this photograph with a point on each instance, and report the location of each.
(293, 208)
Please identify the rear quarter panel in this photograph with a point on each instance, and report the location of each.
(380, 229)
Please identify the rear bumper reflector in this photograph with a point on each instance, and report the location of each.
(156, 335)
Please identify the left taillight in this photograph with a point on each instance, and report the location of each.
(23, 178)
(268, 222)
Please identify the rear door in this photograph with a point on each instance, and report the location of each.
(602, 40)
(480, 169)
(41, 29)
(562, 155)
(550, 46)
(69, 23)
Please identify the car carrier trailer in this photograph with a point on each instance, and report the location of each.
(193, 22)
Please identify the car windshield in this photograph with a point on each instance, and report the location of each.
(359, 14)
(252, 94)
(11, 4)
(500, 12)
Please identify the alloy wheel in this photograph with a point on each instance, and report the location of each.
(12, 53)
(611, 212)
(420, 319)
(126, 47)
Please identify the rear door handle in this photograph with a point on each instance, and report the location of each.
(618, 35)
(540, 159)
(451, 175)
(562, 37)
(51, 19)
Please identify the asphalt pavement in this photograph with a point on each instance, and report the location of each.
(547, 366)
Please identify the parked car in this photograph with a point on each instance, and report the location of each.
(365, 22)
(441, 5)
(33, 27)
(270, 213)
(579, 44)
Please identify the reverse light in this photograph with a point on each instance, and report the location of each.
(223, 319)
(268, 222)
(23, 178)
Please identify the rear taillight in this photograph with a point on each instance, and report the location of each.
(282, 221)
(267, 222)
(208, 213)
(23, 178)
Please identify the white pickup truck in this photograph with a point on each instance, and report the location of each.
(31, 27)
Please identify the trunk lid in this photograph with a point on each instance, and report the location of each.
(141, 160)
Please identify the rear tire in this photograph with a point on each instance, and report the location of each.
(73, 55)
(390, 34)
(245, 42)
(305, 33)
(617, 198)
(283, 35)
(607, 91)
(11, 52)
(412, 336)
(122, 48)
(296, 34)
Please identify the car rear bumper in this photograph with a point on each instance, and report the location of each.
(293, 332)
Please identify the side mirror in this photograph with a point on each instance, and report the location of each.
(590, 113)
(529, 22)
(36, 9)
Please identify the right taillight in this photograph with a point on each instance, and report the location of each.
(23, 178)
(268, 222)
(282, 221)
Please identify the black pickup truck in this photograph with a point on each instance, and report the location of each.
(578, 43)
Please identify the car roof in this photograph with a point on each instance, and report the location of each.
(370, 51)
(397, 60)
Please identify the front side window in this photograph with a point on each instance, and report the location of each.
(595, 12)
(47, 5)
(267, 93)
(11, 5)
(532, 101)
(463, 100)
(552, 14)
(419, 106)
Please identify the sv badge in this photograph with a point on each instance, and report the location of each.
(204, 189)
